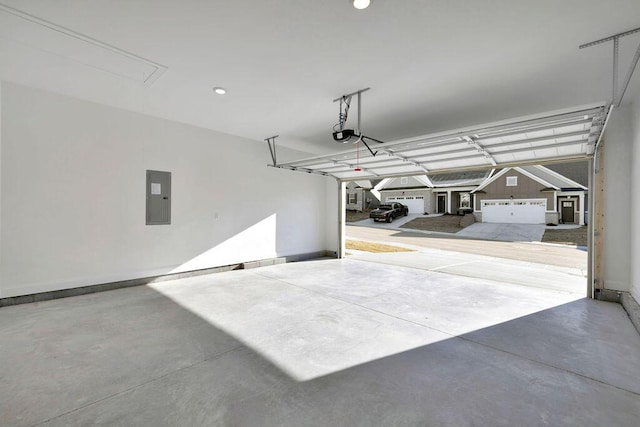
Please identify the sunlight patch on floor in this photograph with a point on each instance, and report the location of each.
(316, 318)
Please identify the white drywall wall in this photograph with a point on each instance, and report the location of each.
(335, 215)
(0, 184)
(635, 199)
(617, 200)
(73, 196)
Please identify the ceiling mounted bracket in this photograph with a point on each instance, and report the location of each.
(617, 95)
(345, 102)
(349, 95)
(271, 142)
(340, 133)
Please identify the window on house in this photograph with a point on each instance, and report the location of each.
(512, 181)
(353, 198)
(465, 200)
(404, 180)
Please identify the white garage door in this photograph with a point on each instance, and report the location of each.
(525, 211)
(414, 203)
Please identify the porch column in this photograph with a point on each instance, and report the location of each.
(449, 201)
(581, 208)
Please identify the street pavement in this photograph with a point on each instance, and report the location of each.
(478, 230)
(541, 253)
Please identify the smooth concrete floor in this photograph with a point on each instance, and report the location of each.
(323, 343)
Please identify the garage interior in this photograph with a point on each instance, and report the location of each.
(153, 153)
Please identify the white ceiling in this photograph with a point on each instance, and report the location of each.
(431, 65)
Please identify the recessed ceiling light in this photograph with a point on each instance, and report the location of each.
(219, 90)
(361, 4)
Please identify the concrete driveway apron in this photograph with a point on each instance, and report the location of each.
(396, 223)
(504, 232)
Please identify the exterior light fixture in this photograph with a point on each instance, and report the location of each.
(361, 4)
(219, 90)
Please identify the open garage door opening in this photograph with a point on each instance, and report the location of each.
(520, 242)
(505, 180)
(488, 225)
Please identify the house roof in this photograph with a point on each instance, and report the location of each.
(576, 171)
(554, 178)
(422, 179)
(364, 183)
(541, 174)
(457, 179)
(481, 179)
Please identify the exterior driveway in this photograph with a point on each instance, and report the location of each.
(517, 263)
(391, 225)
(478, 230)
(558, 255)
(509, 272)
(504, 232)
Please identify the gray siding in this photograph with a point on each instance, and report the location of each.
(527, 188)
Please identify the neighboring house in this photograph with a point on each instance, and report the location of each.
(359, 196)
(530, 195)
(578, 172)
(453, 190)
(412, 191)
(433, 193)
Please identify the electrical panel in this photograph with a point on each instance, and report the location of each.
(158, 197)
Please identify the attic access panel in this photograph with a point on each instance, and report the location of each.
(557, 136)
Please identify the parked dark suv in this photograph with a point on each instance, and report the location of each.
(389, 211)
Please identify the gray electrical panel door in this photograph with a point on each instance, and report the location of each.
(158, 197)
